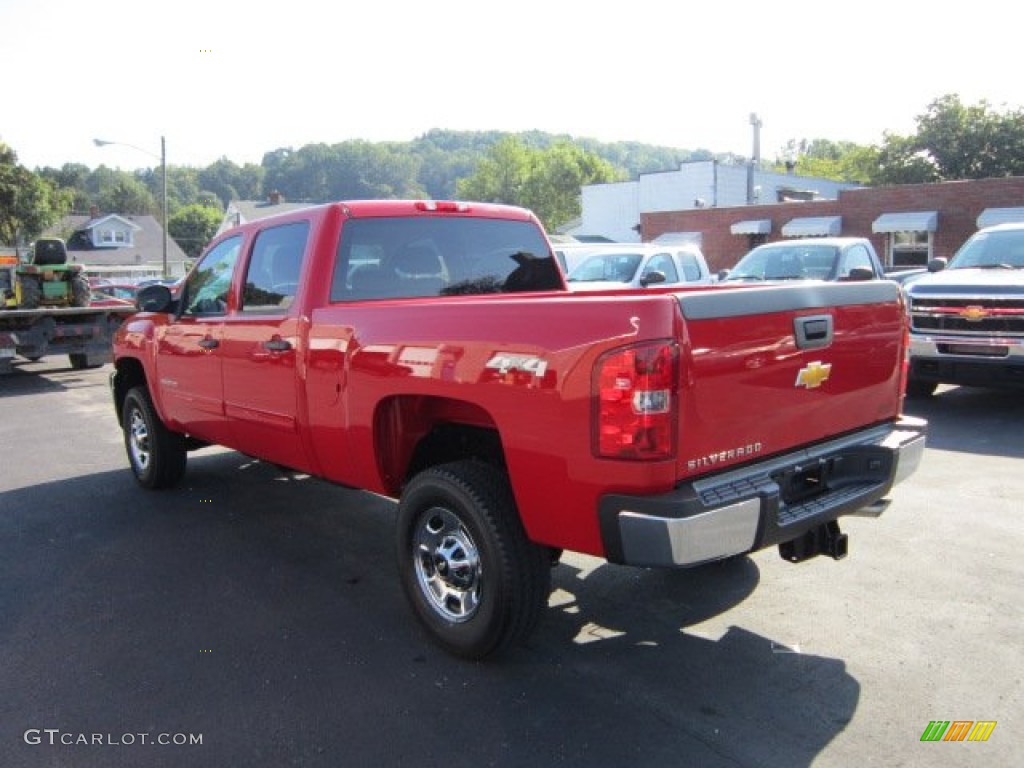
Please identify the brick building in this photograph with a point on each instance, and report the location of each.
(908, 224)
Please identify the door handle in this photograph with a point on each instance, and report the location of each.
(209, 343)
(813, 332)
(277, 345)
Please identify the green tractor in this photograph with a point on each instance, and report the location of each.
(8, 279)
(47, 280)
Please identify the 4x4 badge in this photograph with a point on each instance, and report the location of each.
(813, 375)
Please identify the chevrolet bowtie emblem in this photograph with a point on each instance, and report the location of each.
(813, 375)
(974, 313)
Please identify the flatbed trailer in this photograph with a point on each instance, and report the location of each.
(84, 334)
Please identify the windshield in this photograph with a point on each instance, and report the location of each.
(786, 262)
(991, 250)
(611, 267)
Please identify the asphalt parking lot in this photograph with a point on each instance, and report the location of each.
(261, 613)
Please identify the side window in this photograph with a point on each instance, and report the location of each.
(856, 256)
(662, 262)
(272, 275)
(690, 266)
(207, 287)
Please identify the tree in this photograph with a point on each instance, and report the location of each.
(901, 161)
(825, 159)
(501, 176)
(228, 181)
(72, 179)
(547, 181)
(192, 226)
(29, 203)
(955, 141)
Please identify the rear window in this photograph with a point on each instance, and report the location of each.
(402, 257)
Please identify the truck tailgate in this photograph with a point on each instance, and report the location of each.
(768, 368)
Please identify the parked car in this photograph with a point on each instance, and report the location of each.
(124, 291)
(636, 265)
(99, 298)
(809, 258)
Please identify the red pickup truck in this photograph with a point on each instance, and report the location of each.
(430, 351)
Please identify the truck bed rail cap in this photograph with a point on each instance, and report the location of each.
(737, 302)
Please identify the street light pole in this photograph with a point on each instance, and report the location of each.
(163, 173)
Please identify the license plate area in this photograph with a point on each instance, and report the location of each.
(974, 350)
(805, 481)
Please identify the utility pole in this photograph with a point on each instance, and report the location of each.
(755, 159)
(163, 172)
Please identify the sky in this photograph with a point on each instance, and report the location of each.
(222, 78)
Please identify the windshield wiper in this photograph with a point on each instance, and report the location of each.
(743, 277)
(997, 266)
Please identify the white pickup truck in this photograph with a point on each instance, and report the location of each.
(611, 266)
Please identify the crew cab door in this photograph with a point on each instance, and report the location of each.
(188, 350)
(260, 348)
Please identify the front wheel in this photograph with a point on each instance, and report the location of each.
(474, 580)
(156, 454)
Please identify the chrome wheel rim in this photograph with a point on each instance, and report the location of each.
(138, 440)
(447, 564)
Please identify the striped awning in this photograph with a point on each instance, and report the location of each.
(992, 216)
(752, 227)
(908, 221)
(813, 226)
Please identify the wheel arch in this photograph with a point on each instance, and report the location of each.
(414, 432)
(128, 373)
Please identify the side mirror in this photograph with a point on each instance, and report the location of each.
(652, 278)
(860, 273)
(154, 298)
(937, 264)
(723, 273)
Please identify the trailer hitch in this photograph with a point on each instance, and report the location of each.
(825, 539)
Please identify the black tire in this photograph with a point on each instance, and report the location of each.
(920, 388)
(31, 292)
(475, 582)
(81, 292)
(156, 454)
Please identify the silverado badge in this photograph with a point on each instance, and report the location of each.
(813, 375)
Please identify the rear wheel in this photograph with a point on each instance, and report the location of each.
(31, 292)
(474, 580)
(156, 454)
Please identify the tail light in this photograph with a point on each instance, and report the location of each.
(636, 402)
(442, 206)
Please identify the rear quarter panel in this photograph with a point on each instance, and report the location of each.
(520, 364)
